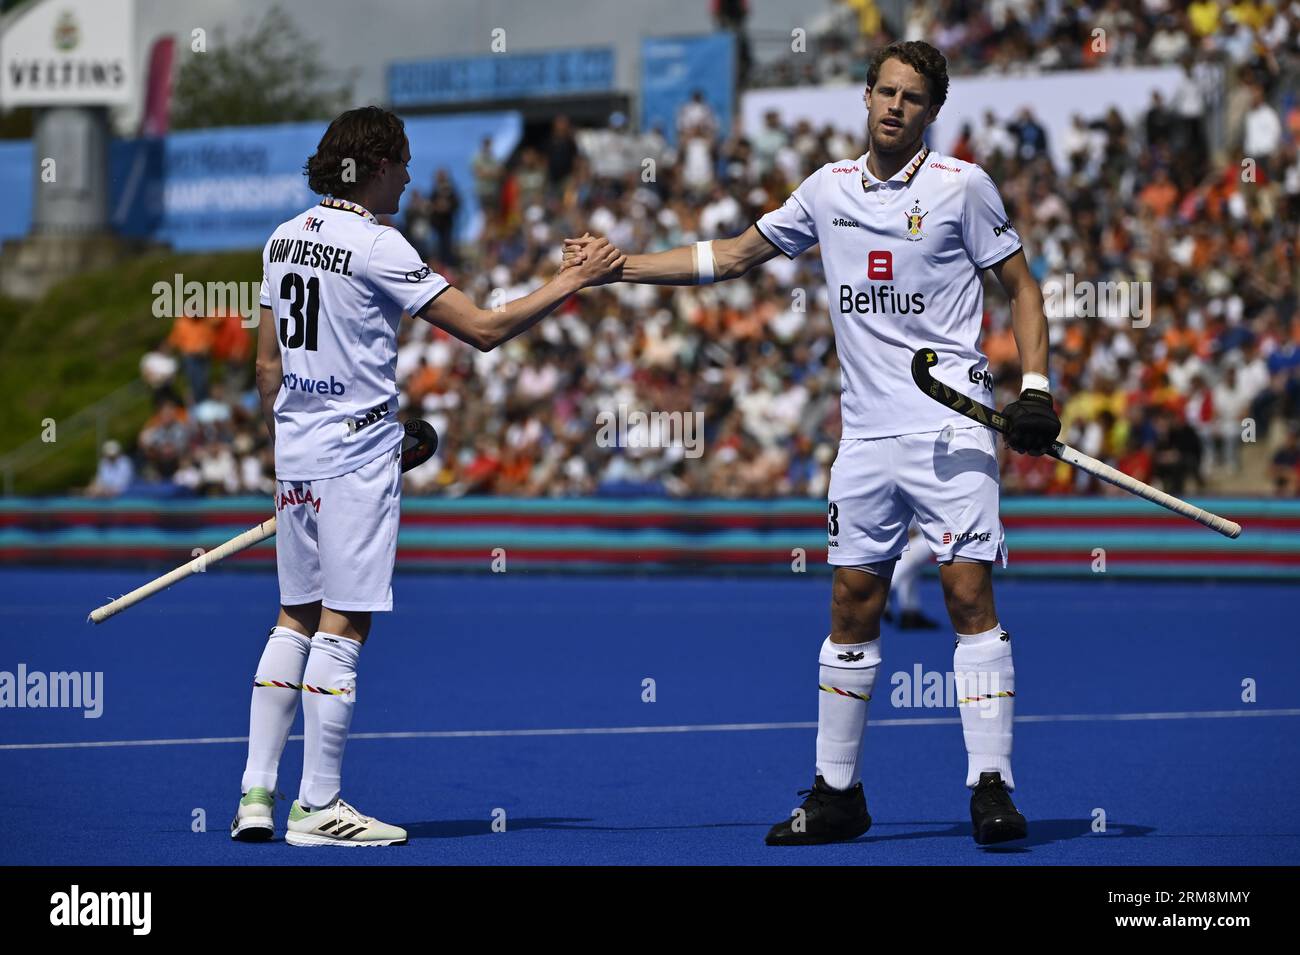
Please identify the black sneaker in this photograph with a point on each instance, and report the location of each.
(993, 815)
(915, 620)
(828, 815)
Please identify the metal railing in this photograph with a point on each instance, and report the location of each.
(96, 417)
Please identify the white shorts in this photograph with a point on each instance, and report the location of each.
(947, 480)
(336, 538)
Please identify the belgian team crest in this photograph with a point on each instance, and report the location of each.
(914, 218)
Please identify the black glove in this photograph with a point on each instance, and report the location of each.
(1032, 424)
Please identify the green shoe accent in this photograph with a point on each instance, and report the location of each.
(296, 812)
(257, 796)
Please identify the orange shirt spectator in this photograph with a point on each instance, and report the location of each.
(423, 380)
(1184, 337)
(191, 335)
(1160, 197)
(1000, 347)
(230, 339)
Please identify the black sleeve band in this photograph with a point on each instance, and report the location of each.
(432, 298)
(1019, 248)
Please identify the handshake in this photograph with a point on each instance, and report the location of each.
(591, 260)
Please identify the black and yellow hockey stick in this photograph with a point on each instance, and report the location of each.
(925, 359)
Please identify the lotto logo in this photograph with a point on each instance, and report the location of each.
(354, 425)
(880, 266)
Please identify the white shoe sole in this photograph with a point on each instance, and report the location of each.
(253, 831)
(310, 839)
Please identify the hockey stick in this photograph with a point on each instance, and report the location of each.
(925, 359)
(418, 445)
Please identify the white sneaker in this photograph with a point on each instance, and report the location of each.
(339, 825)
(254, 820)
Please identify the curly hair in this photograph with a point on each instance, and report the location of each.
(921, 57)
(364, 136)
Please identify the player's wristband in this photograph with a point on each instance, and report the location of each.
(703, 263)
(1033, 380)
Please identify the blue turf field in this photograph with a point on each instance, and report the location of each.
(1190, 774)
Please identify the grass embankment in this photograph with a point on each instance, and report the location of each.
(82, 342)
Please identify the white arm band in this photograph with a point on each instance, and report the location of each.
(1032, 379)
(703, 263)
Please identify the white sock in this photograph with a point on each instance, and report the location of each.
(329, 693)
(847, 677)
(275, 700)
(986, 691)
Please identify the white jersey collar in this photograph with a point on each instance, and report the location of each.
(903, 175)
(329, 202)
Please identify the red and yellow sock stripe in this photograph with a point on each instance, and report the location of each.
(986, 696)
(842, 692)
(306, 687)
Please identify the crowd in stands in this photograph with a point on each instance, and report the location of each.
(1175, 398)
(1026, 36)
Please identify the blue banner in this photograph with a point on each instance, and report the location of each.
(500, 76)
(673, 68)
(229, 188)
(16, 176)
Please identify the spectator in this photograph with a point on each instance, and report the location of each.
(730, 15)
(1160, 122)
(769, 141)
(1263, 130)
(561, 151)
(419, 224)
(444, 203)
(696, 116)
(697, 163)
(158, 370)
(993, 139)
(191, 338)
(232, 347)
(488, 173)
(165, 439)
(1231, 404)
(1031, 137)
(114, 474)
(1285, 467)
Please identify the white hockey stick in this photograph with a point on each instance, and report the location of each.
(254, 535)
